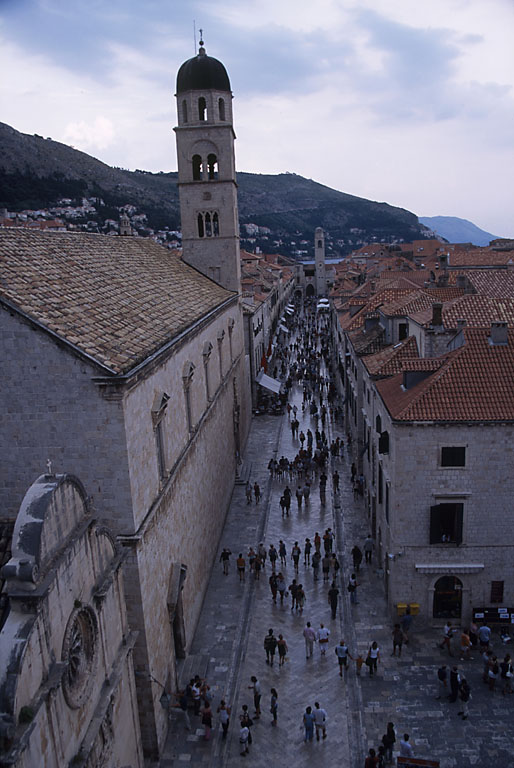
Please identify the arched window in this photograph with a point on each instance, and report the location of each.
(202, 108)
(379, 424)
(215, 225)
(184, 111)
(221, 109)
(212, 167)
(201, 231)
(208, 225)
(197, 168)
(320, 244)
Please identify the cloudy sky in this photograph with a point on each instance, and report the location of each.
(405, 101)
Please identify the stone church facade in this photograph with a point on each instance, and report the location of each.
(67, 684)
(125, 366)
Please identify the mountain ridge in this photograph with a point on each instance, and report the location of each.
(38, 171)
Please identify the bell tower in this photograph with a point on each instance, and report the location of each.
(319, 261)
(206, 170)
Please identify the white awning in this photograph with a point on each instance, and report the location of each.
(283, 327)
(289, 311)
(266, 381)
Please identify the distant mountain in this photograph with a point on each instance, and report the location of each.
(457, 230)
(36, 172)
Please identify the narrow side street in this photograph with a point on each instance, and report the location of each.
(228, 644)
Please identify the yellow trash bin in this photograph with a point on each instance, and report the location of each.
(401, 608)
(414, 608)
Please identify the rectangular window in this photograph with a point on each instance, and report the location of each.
(388, 487)
(446, 523)
(496, 591)
(380, 485)
(453, 456)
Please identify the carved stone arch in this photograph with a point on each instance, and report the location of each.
(207, 349)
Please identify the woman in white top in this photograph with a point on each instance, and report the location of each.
(373, 657)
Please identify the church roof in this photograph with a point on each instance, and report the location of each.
(116, 299)
(201, 73)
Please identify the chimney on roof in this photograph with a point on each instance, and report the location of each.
(499, 334)
(462, 281)
(461, 323)
(437, 314)
(444, 260)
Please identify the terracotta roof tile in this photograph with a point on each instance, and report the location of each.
(119, 299)
(474, 383)
(389, 361)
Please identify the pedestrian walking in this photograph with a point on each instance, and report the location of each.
(308, 724)
(295, 555)
(465, 646)
(397, 640)
(256, 687)
(247, 722)
(273, 556)
(368, 549)
(454, 684)
(273, 586)
(241, 565)
(300, 598)
(310, 638)
(282, 551)
(224, 717)
(274, 705)
(282, 650)
(283, 505)
(442, 682)
(317, 542)
(356, 558)
(182, 705)
(335, 480)
(325, 567)
(320, 720)
(316, 560)
(492, 675)
(248, 491)
(464, 695)
(244, 733)
(281, 586)
(333, 595)
(484, 636)
(352, 589)
(389, 740)
(447, 638)
(257, 492)
(307, 552)
(373, 658)
(206, 713)
(299, 496)
(224, 559)
(322, 636)
(406, 623)
(342, 653)
(293, 588)
(506, 670)
(270, 645)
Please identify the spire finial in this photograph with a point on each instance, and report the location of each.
(201, 37)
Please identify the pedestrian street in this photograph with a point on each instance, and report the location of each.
(228, 643)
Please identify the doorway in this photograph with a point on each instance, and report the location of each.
(447, 598)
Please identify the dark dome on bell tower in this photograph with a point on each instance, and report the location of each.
(201, 73)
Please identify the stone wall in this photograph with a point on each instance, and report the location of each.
(51, 409)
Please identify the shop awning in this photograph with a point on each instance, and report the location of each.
(283, 327)
(268, 382)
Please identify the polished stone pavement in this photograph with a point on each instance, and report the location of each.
(229, 642)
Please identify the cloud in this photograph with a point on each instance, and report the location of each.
(98, 134)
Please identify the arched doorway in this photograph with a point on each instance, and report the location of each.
(447, 598)
(309, 291)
